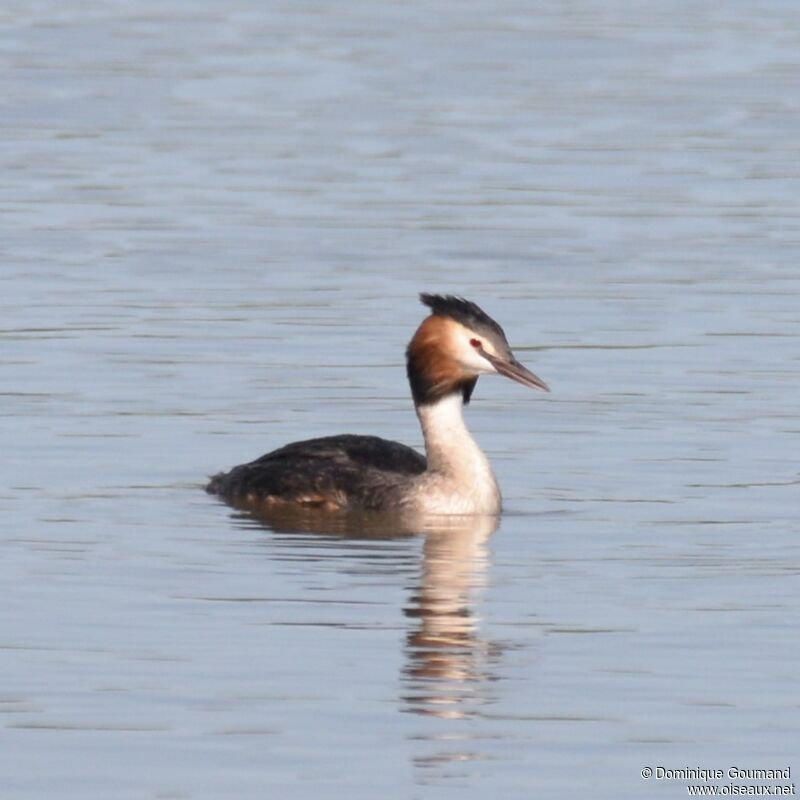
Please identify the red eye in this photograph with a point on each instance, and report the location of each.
(475, 342)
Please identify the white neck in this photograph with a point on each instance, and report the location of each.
(459, 473)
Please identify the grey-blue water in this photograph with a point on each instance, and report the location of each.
(215, 221)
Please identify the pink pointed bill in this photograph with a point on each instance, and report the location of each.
(511, 368)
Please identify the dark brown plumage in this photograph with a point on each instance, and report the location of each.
(330, 472)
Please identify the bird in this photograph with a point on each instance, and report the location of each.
(453, 346)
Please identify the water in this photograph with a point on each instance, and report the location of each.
(215, 222)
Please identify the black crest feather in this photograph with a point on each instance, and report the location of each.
(461, 310)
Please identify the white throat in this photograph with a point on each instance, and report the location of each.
(459, 478)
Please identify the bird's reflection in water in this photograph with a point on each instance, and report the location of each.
(448, 663)
(448, 666)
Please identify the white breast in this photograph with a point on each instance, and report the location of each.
(459, 479)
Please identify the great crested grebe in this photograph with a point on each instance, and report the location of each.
(451, 349)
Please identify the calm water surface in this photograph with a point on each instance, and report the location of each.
(215, 220)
